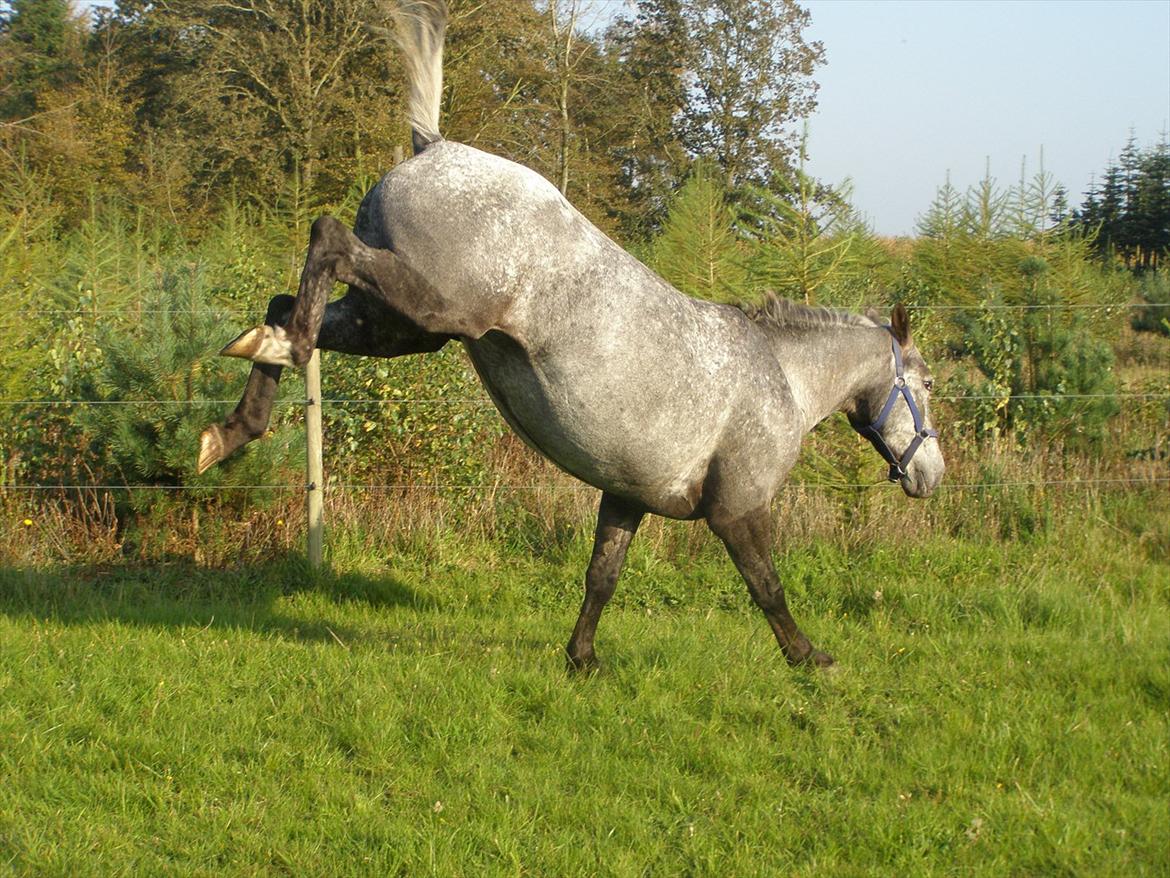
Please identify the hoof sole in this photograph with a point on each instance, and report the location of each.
(262, 344)
(210, 449)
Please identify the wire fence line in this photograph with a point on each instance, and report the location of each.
(487, 403)
(990, 306)
(554, 486)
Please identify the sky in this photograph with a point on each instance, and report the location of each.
(914, 89)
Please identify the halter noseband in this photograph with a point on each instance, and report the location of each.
(921, 432)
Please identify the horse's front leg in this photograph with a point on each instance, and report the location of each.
(748, 539)
(354, 324)
(337, 255)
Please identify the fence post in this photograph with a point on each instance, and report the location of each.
(316, 470)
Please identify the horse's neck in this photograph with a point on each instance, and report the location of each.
(830, 368)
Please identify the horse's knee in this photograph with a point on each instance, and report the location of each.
(327, 229)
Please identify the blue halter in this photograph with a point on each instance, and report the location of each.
(921, 432)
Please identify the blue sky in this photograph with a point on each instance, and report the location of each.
(913, 89)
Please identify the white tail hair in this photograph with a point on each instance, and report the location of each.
(419, 28)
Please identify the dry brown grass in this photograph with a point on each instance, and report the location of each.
(989, 493)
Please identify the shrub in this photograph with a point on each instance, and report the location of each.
(157, 385)
(1044, 374)
(1153, 314)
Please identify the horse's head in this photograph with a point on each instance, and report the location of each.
(894, 413)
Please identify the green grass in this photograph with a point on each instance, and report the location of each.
(999, 709)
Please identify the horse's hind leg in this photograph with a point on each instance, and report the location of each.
(352, 325)
(290, 342)
(748, 540)
(617, 521)
(337, 255)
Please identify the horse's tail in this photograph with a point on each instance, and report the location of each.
(419, 27)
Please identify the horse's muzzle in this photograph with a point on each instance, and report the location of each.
(920, 482)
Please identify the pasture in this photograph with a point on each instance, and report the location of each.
(1001, 707)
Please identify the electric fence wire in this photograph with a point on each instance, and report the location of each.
(487, 403)
(552, 486)
(989, 306)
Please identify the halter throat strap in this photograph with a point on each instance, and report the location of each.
(872, 432)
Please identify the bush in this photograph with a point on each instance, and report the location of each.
(419, 419)
(1043, 372)
(1153, 314)
(158, 384)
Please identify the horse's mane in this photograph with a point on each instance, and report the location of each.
(780, 314)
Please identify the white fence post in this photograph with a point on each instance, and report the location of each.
(316, 468)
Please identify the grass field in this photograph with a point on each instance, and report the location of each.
(1000, 708)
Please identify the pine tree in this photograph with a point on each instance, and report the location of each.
(1128, 216)
(698, 250)
(802, 243)
(1151, 207)
(168, 358)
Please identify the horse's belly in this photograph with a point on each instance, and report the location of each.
(607, 428)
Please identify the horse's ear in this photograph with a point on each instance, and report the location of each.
(900, 324)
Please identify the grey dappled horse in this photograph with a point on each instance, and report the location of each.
(667, 404)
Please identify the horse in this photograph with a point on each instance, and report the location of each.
(667, 404)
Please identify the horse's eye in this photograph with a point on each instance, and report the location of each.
(928, 384)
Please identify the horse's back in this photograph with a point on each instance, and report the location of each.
(483, 225)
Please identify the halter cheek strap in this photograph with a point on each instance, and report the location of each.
(921, 431)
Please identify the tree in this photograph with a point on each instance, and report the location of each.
(699, 250)
(166, 359)
(1150, 207)
(492, 73)
(1128, 215)
(258, 90)
(750, 78)
(573, 98)
(40, 41)
(650, 53)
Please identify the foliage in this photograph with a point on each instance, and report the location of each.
(649, 53)
(698, 250)
(414, 420)
(1044, 374)
(1154, 313)
(1128, 213)
(750, 77)
(38, 42)
(802, 236)
(261, 90)
(143, 423)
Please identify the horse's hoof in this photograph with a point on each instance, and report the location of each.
(262, 344)
(582, 666)
(210, 448)
(814, 658)
(823, 662)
